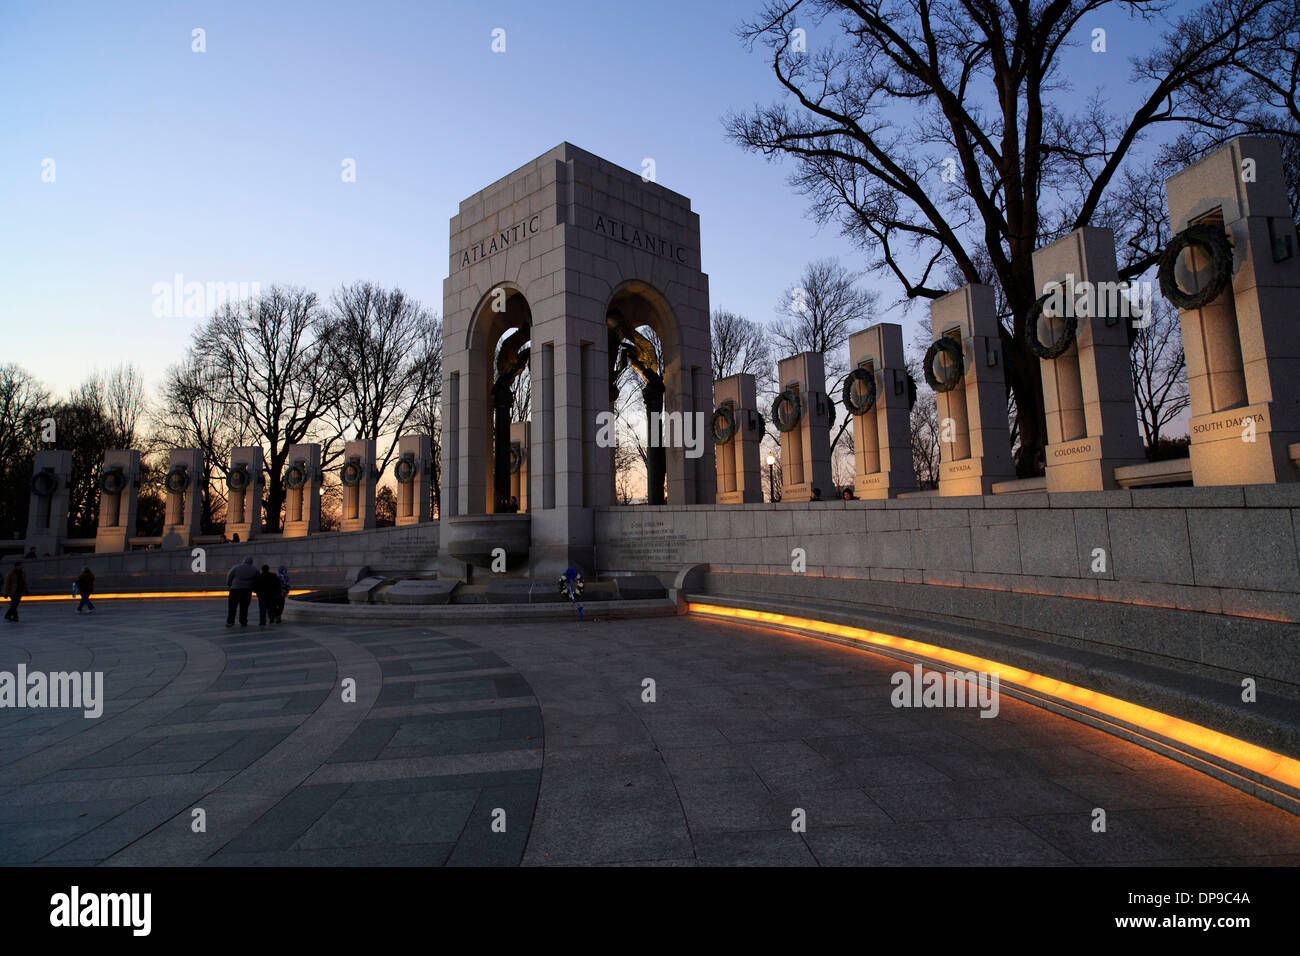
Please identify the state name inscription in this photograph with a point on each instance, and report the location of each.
(1069, 450)
(1232, 421)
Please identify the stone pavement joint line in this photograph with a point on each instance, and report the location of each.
(545, 723)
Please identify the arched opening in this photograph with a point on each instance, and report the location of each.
(643, 356)
(501, 336)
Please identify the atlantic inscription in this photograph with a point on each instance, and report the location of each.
(500, 240)
(649, 241)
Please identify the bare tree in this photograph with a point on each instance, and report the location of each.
(843, 462)
(1256, 93)
(92, 420)
(1159, 371)
(124, 402)
(268, 365)
(626, 461)
(822, 308)
(923, 428)
(427, 416)
(24, 401)
(740, 346)
(21, 396)
(385, 507)
(331, 505)
(192, 414)
(521, 407)
(631, 455)
(377, 351)
(935, 130)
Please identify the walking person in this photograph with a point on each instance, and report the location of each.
(283, 576)
(267, 588)
(85, 588)
(14, 589)
(240, 581)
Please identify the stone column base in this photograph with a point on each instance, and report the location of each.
(875, 486)
(1083, 464)
(966, 477)
(1221, 455)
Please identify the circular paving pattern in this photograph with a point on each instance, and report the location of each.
(539, 743)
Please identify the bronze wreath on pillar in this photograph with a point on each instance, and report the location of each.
(351, 474)
(1210, 240)
(112, 482)
(847, 396)
(178, 479)
(1057, 348)
(237, 478)
(724, 416)
(44, 483)
(295, 477)
(951, 349)
(787, 410)
(406, 469)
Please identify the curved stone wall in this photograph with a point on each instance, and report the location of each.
(320, 560)
(1206, 580)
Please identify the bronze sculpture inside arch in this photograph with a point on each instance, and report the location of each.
(512, 359)
(627, 347)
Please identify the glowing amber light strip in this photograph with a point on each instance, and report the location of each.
(1240, 752)
(139, 595)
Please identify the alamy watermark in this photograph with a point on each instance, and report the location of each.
(75, 689)
(179, 299)
(666, 430)
(1107, 300)
(77, 909)
(952, 689)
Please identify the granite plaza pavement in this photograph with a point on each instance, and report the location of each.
(546, 722)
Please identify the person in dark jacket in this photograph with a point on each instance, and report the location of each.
(240, 581)
(267, 588)
(85, 588)
(283, 576)
(15, 588)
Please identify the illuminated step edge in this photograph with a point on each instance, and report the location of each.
(138, 595)
(1270, 776)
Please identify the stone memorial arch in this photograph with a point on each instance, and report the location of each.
(561, 267)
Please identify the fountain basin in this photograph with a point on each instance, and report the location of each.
(474, 538)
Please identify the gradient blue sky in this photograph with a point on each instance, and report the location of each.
(224, 166)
